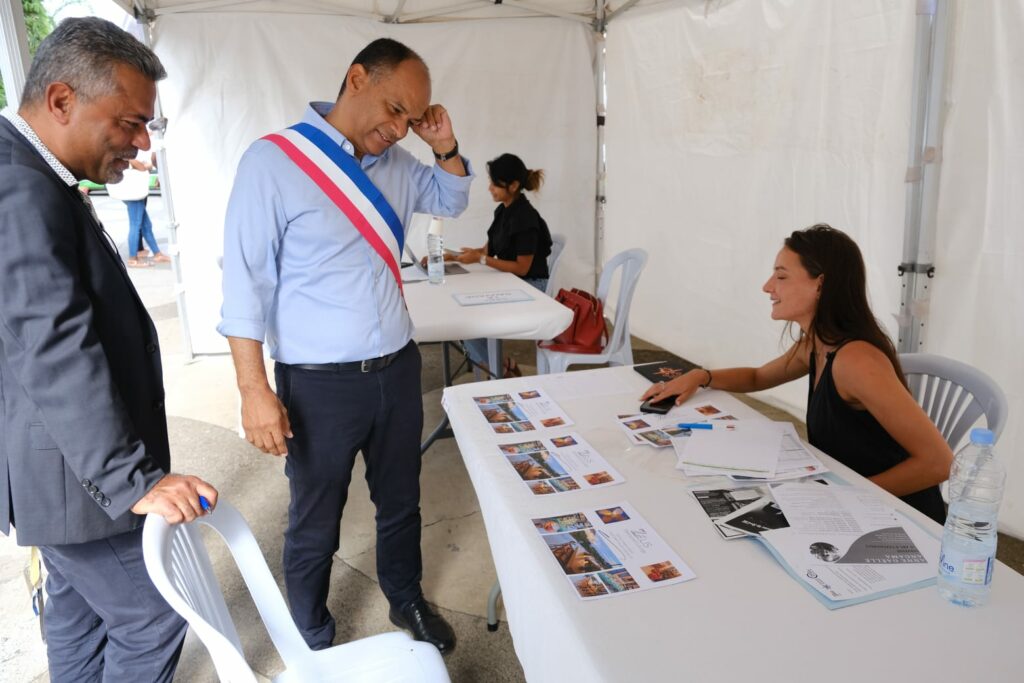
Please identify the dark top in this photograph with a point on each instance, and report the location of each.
(856, 439)
(518, 230)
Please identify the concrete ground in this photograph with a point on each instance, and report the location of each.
(202, 415)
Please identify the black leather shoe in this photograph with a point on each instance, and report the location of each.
(425, 624)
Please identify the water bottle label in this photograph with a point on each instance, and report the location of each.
(971, 570)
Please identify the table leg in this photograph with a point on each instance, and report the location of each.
(492, 606)
(443, 429)
(494, 357)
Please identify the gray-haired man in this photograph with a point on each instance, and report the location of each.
(84, 451)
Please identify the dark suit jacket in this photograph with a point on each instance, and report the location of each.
(83, 434)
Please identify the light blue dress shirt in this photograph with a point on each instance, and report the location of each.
(299, 275)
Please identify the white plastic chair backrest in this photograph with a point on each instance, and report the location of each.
(231, 526)
(954, 395)
(180, 568)
(632, 263)
(557, 245)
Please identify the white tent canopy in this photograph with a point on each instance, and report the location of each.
(731, 123)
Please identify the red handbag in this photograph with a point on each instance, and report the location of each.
(587, 332)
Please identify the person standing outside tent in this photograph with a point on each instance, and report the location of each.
(133, 190)
(313, 236)
(85, 453)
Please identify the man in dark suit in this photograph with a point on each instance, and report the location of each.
(83, 433)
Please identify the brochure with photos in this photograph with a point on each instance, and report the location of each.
(526, 410)
(610, 551)
(559, 464)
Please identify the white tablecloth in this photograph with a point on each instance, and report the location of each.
(743, 618)
(438, 317)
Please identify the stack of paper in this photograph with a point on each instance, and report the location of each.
(747, 451)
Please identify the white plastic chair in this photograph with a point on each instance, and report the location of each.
(180, 568)
(557, 245)
(954, 395)
(619, 349)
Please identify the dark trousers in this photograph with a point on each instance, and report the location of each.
(334, 415)
(105, 621)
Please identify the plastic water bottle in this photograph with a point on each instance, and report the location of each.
(435, 252)
(969, 539)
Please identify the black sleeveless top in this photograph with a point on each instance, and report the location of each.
(856, 439)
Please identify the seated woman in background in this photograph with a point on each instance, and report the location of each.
(859, 409)
(518, 240)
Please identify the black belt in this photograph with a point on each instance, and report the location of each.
(368, 365)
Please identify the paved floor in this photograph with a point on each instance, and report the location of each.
(202, 407)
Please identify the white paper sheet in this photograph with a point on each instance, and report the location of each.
(502, 296)
(610, 551)
(750, 448)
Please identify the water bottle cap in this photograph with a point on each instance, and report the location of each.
(982, 437)
(435, 227)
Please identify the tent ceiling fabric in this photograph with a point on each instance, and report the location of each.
(398, 11)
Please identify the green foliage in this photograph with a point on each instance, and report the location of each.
(38, 25)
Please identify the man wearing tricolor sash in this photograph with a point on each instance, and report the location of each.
(313, 237)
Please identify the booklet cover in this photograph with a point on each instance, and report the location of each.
(610, 551)
(663, 370)
(847, 546)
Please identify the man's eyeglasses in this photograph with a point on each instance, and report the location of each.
(158, 125)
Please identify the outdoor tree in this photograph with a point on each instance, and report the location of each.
(38, 25)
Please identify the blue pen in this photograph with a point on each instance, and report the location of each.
(694, 425)
(205, 504)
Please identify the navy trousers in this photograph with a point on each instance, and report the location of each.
(335, 415)
(105, 621)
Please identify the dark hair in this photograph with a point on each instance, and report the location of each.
(381, 57)
(843, 313)
(509, 168)
(83, 53)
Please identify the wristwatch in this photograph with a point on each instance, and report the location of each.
(448, 155)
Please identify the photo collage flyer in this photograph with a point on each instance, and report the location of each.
(559, 464)
(521, 411)
(610, 551)
(649, 429)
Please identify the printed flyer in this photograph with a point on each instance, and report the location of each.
(559, 464)
(521, 411)
(846, 543)
(610, 551)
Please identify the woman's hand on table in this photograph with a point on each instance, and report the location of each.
(469, 255)
(682, 387)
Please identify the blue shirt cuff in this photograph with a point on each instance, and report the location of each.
(244, 329)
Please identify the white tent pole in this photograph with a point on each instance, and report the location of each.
(924, 163)
(600, 76)
(146, 18)
(14, 56)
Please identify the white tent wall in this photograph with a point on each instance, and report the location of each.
(524, 86)
(729, 126)
(977, 304)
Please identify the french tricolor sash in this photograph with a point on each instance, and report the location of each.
(338, 174)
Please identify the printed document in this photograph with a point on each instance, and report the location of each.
(559, 464)
(610, 551)
(521, 411)
(847, 543)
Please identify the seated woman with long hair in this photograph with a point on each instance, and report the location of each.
(859, 409)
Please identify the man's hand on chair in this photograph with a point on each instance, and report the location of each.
(176, 498)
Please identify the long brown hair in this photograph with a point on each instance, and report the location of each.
(843, 313)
